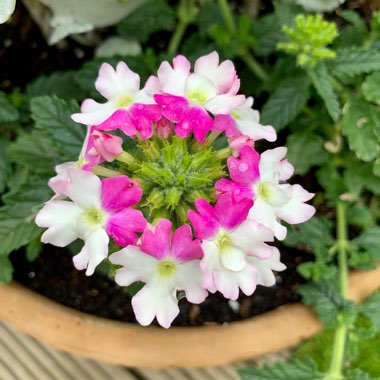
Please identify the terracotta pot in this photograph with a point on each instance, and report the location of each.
(155, 347)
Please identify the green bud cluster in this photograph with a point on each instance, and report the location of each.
(308, 39)
(173, 173)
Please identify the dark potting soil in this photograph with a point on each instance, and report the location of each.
(53, 275)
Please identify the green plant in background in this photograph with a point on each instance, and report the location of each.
(319, 86)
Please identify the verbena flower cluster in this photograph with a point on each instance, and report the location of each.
(181, 215)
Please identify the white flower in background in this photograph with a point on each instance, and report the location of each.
(7, 8)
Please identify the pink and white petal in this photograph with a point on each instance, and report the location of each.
(152, 112)
(224, 104)
(152, 86)
(94, 113)
(173, 80)
(238, 190)
(120, 119)
(249, 237)
(200, 89)
(119, 193)
(123, 226)
(286, 170)
(196, 119)
(227, 124)
(230, 212)
(184, 247)
(156, 242)
(265, 214)
(256, 131)
(209, 264)
(204, 220)
(296, 211)
(245, 170)
(189, 279)
(264, 268)
(233, 259)
(237, 143)
(270, 163)
(173, 107)
(207, 64)
(61, 181)
(246, 279)
(128, 80)
(107, 82)
(94, 251)
(85, 188)
(226, 282)
(152, 301)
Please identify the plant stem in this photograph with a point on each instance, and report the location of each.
(227, 15)
(104, 172)
(126, 158)
(254, 66)
(177, 37)
(223, 153)
(212, 137)
(336, 364)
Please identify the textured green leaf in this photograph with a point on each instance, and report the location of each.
(322, 82)
(8, 111)
(371, 306)
(369, 240)
(355, 33)
(152, 17)
(286, 102)
(35, 150)
(326, 301)
(305, 150)
(17, 225)
(292, 370)
(355, 61)
(4, 166)
(371, 88)
(360, 215)
(60, 84)
(6, 270)
(359, 124)
(53, 118)
(358, 374)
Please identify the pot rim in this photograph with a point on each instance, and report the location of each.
(154, 347)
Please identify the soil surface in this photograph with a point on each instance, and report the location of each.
(53, 275)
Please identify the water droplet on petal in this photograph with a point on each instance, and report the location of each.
(185, 126)
(243, 167)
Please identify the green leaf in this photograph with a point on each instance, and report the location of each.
(154, 16)
(8, 111)
(6, 270)
(355, 33)
(369, 240)
(331, 180)
(53, 118)
(360, 215)
(371, 309)
(286, 102)
(358, 374)
(35, 150)
(327, 302)
(60, 84)
(322, 83)
(371, 88)
(294, 370)
(355, 61)
(305, 150)
(33, 249)
(209, 15)
(359, 124)
(4, 165)
(17, 225)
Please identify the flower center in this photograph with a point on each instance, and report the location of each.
(166, 268)
(223, 241)
(271, 193)
(124, 101)
(173, 173)
(94, 216)
(197, 97)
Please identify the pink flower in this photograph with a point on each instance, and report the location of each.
(166, 263)
(228, 242)
(128, 108)
(96, 210)
(261, 178)
(164, 128)
(244, 121)
(187, 97)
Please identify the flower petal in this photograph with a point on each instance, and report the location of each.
(184, 247)
(156, 241)
(245, 170)
(233, 259)
(204, 220)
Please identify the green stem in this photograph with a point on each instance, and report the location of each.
(336, 364)
(104, 172)
(126, 158)
(254, 66)
(177, 37)
(227, 15)
(223, 153)
(212, 137)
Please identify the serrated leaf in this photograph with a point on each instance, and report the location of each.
(371, 88)
(360, 215)
(326, 301)
(358, 374)
(322, 83)
(6, 270)
(359, 124)
(305, 150)
(17, 225)
(35, 150)
(53, 118)
(4, 165)
(154, 16)
(355, 33)
(60, 84)
(330, 178)
(355, 61)
(286, 102)
(294, 370)
(369, 240)
(371, 309)
(8, 111)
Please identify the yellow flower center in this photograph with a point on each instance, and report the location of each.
(166, 268)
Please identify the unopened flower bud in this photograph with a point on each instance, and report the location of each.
(105, 145)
